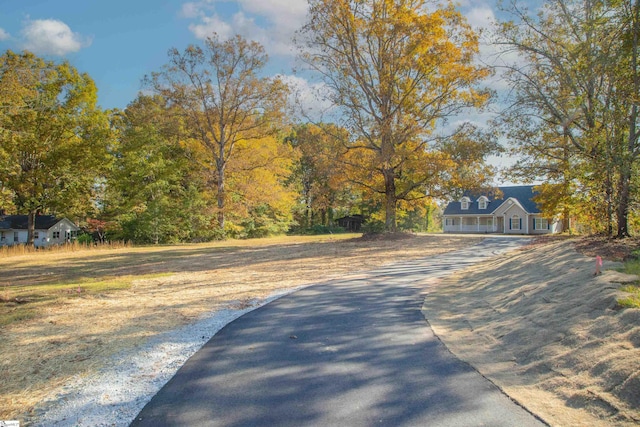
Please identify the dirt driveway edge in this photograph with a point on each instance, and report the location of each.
(543, 328)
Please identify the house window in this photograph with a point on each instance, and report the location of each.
(541, 224)
(465, 203)
(35, 235)
(449, 221)
(3, 237)
(16, 237)
(56, 235)
(482, 203)
(515, 223)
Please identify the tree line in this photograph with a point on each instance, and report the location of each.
(573, 117)
(211, 149)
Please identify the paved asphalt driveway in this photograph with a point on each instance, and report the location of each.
(352, 352)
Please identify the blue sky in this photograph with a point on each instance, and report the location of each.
(118, 42)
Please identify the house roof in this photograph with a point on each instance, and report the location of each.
(20, 222)
(523, 194)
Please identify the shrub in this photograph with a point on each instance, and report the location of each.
(85, 239)
(633, 299)
(373, 227)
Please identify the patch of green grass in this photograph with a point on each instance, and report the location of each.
(18, 315)
(633, 265)
(633, 299)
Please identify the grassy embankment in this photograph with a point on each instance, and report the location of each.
(631, 266)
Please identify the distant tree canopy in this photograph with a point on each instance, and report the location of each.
(155, 191)
(574, 119)
(53, 138)
(210, 152)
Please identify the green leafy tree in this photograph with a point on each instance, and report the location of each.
(155, 190)
(53, 137)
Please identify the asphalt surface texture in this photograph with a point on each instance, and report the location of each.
(350, 352)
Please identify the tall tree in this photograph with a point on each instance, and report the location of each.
(573, 116)
(155, 188)
(396, 69)
(53, 137)
(223, 98)
(630, 92)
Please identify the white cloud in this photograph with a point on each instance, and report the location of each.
(310, 99)
(190, 10)
(4, 35)
(50, 36)
(481, 17)
(209, 25)
(289, 14)
(269, 22)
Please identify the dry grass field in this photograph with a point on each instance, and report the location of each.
(65, 313)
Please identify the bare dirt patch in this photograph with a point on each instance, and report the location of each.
(608, 248)
(72, 326)
(540, 325)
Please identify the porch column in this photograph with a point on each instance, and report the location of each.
(461, 224)
(527, 227)
(478, 221)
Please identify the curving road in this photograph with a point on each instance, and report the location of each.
(351, 352)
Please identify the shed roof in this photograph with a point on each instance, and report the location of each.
(524, 194)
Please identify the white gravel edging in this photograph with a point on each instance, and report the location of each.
(114, 395)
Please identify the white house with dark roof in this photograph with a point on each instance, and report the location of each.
(49, 230)
(510, 210)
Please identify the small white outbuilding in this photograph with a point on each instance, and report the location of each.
(49, 230)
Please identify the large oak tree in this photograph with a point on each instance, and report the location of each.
(396, 69)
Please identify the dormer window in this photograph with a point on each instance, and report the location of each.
(465, 203)
(483, 202)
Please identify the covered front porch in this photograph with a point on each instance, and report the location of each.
(473, 224)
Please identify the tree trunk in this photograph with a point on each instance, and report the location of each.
(566, 220)
(428, 218)
(31, 226)
(623, 203)
(390, 200)
(609, 200)
(221, 196)
(627, 167)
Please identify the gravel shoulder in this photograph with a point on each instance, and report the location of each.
(114, 394)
